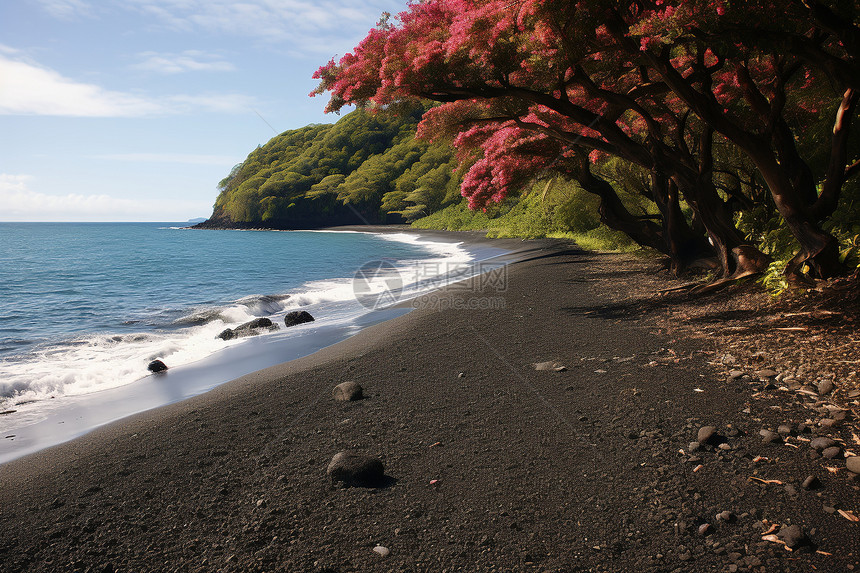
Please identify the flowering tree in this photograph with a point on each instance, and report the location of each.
(529, 85)
(751, 77)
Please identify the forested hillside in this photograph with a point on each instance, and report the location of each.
(368, 167)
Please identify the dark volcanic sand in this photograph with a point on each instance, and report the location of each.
(577, 470)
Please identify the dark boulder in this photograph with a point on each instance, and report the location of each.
(227, 334)
(347, 392)
(258, 323)
(297, 317)
(157, 366)
(354, 469)
(251, 328)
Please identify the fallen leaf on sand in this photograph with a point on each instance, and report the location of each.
(849, 515)
(766, 481)
(551, 365)
(775, 539)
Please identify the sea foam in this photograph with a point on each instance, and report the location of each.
(36, 383)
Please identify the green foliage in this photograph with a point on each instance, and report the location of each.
(371, 161)
(553, 209)
(305, 175)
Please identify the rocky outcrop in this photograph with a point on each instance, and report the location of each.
(252, 328)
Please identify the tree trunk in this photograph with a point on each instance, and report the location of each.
(713, 213)
(615, 215)
(683, 245)
(819, 250)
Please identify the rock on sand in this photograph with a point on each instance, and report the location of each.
(347, 392)
(354, 469)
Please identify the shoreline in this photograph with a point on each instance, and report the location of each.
(81, 414)
(493, 464)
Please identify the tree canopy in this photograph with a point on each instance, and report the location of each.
(712, 101)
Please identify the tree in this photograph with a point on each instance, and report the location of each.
(748, 75)
(634, 80)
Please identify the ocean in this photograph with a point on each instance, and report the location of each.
(84, 308)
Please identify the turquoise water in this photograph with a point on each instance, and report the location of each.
(85, 307)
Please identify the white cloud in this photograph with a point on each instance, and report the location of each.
(187, 61)
(297, 22)
(66, 9)
(22, 204)
(183, 158)
(30, 89)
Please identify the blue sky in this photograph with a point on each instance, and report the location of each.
(133, 110)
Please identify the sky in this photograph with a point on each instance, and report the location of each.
(134, 110)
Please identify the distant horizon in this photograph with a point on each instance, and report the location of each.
(192, 220)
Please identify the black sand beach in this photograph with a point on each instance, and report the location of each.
(491, 464)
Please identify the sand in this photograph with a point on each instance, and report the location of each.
(491, 464)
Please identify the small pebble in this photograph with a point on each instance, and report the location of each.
(793, 536)
(704, 529)
(784, 430)
(853, 464)
(811, 482)
(832, 452)
(726, 516)
(769, 437)
(706, 434)
(822, 443)
(381, 550)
